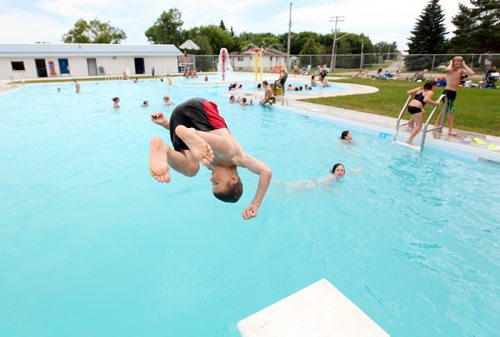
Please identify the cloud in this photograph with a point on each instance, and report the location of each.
(19, 26)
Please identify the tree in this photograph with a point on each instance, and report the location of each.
(217, 37)
(222, 25)
(428, 36)
(478, 28)
(167, 29)
(311, 47)
(94, 31)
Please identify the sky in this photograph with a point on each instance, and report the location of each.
(31, 21)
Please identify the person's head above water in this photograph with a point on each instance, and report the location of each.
(226, 183)
(338, 170)
(346, 135)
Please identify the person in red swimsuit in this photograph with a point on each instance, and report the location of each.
(200, 135)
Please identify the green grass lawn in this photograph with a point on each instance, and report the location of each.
(478, 110)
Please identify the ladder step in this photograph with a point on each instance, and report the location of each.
(413, 147)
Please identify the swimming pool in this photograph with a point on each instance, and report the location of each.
(249, 84)
(91, 245)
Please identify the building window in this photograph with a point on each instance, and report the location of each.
(240, 58)
(17, 65)
(270, 58)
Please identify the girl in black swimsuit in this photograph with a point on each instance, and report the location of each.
(421, 96)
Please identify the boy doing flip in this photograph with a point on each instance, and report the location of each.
(199, 134)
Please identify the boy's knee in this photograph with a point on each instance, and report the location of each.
(192, 170)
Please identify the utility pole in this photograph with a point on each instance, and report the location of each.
(335, 19)
(289, 37)
(362, 61)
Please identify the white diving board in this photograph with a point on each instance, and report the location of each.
(319, 310)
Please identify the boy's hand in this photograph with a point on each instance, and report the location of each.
(159, 118)
(250, 212)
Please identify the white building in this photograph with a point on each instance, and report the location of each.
(81, 60)
(245, 61)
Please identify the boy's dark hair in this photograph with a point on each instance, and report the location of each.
(114, 99)
(344, 134)
(232, 193)
(265, 83)
(429, 84)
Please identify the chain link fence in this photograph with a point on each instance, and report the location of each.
(353, 62)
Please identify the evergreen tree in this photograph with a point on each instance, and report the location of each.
(222, 25)
(428, 36)
(478, 28)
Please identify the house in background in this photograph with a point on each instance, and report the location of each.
(245, 61)
(82, 60)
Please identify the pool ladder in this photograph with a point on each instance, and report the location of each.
(425, 126)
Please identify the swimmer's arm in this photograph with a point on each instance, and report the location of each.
(428, 98)
(265, 173)
(357, 169)
(413, 91)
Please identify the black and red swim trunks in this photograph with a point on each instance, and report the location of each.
(197, 113)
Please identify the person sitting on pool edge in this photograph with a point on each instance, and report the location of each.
(269, 98)
(199, 134)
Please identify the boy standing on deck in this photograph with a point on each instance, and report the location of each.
(199, 134)
(454, 73)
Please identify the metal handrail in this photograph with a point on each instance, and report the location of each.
(426, 124)
(401, 115)
(441, 121)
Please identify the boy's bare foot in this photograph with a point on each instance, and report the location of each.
(409, 143)
(159, 118)
(452, 132)
(158, 165)
(198, 147)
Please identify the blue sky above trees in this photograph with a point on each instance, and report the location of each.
(30, 21)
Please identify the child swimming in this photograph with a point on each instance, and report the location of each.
(337, 172)
(346, 136)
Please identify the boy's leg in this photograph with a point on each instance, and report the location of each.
(199, 148)
(161, 156)
(218, 143)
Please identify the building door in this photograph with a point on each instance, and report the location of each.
(92, 66)
(41, 67)
(63, 66)
(139, 65)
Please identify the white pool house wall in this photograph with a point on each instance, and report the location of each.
(85, 60)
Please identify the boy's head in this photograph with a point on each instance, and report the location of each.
(264, 83)
(226, 184)
(115, 99)
(457, 62)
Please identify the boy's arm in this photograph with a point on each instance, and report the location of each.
(256, 166)
(449, 67)
(468, 70)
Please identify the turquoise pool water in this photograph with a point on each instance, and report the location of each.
(91, 245)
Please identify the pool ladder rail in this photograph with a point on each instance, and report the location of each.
(425, 127)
